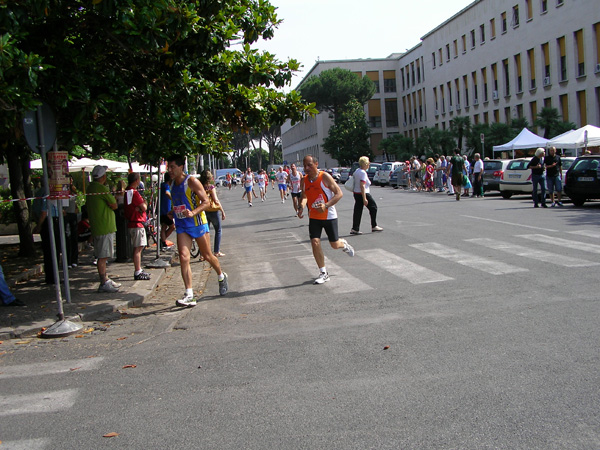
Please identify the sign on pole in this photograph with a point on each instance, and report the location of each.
(482, 137)
(58, 174)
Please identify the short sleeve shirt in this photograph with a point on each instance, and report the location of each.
(135, 217)
(361, 176)
(102, 217)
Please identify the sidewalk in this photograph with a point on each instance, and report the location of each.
(86, 303)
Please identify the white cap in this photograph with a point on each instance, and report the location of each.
(99, 171)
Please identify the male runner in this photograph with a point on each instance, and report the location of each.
(295, 180)
(248, 182)
(263, 181)
(282, 182)
(321, 193)
(189, 201)
(272, 174)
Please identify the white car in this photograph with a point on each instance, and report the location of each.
(516, 178)
(385, 171)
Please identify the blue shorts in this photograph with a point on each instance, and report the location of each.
(553, 184)
(248, 189)
(194, 232)
(282, 187)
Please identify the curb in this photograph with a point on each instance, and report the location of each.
(91, 313)
(36, 270)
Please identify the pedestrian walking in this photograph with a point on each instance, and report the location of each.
(457, 167)
(537, 178)
(215, 212)
(363, 197)
(478, 167)
(189, 203)
(320, 192)
(135, 213)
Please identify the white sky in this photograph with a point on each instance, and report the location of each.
(352, 29)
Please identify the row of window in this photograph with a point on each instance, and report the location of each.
(438, 57)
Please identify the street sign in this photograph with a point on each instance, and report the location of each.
(46, 123)
(482, 137)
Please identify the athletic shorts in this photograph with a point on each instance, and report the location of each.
(166, 220)
(261, 186)
(138, 237)
(248, 189)
(104, 246)
(282, 187)
(194, 232)
(296, 194)
(316, 226)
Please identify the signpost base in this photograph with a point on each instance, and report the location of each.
(61, 328)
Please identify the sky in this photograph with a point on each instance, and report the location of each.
(350, 29)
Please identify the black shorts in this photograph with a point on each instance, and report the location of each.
(316, 227)
(296, 194)
(166, 220)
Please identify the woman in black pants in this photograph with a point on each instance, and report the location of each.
(362, 197)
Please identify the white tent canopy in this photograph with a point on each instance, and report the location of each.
(524, 140)
(576, 138)
(87, 164)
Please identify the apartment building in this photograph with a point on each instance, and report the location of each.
(493, 61)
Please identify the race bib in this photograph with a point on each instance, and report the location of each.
(179, 211)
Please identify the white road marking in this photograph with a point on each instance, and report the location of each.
(41, 402)
(49, 368)
(588, 233)
(467, 259)
(261, 285)
(401, 267)
(341, 282)
(412, 224)
(575, 245)
(510, 223)
(526, 252)
(26, 444)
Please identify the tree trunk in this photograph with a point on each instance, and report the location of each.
(20, 187)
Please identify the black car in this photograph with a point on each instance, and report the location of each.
(583, 179)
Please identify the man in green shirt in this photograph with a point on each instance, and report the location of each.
(458, 166)
(100, 206)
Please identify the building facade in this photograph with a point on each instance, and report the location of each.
(492, 62)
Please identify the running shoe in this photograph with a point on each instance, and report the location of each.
(187, 301)
(142, 276)
(223, 285)
(355, 232)
(348, 248)
(323, 277)
(108, 287)
(114, 283)
(559, 204)
(376, 229)
(249, 204)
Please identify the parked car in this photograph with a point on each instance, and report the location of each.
(386, 170)
(372, 171)
(221, 181)
(583, 179)
(399, 177)
(493, 169)
(344, 175)
(335, 173)
(516, 179)
(567, 162)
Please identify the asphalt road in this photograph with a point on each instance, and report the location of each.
(466, 325)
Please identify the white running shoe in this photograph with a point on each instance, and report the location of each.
(323, 277)
(187, 301)
(250, 204)
(114, 283)
(108, 287)
(348, 249)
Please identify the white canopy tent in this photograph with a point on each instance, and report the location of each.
(524, 140)
(577, 138)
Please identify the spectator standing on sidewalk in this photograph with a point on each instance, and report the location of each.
(8, 299)
(167, 226)
(478, 176)
(363, 197)
(135, 213)
(457, 167)
(41, 216)
(71, 227)
(101, 205)
(189, 203)
(215, 212)
(553, 165)
(537, 177)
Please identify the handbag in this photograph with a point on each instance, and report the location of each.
(214, 206)
(349, 184)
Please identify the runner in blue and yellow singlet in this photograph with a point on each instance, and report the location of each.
(189, 201)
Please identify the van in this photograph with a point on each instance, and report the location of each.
(385, 171)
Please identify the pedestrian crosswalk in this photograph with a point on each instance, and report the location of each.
(14, 406)
(415, 264)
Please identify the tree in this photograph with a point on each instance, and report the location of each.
(548, 119)
(474, 139)
(143, 77)
(402, 147)
(434, 140)
(460, 127)
(348, 137)
(334, 88)
(518, 123)
(273, 140)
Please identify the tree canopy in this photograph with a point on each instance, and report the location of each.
(348, 137)
(332, 89)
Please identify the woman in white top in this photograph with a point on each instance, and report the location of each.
(362, 197)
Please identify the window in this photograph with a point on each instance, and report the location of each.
(464, 43)
(505, 69)
(544, 6)
(563, 100)
(412, 74)
(562, 62)
(531, 64)
(482, 33)
(492, 28)
(560, 3)
(475, 94)
(433, 59)
(374, 77)
(597, 45)
(440, 56)
(391, 112)
(466, 86)
(529, 5)
(533, 111)
(485, 84)
(389, 85)
(455, 48)
(418, 72)
(518, 73)
(503, 20)
(515, 17)
(546, 54)
(472, 38)
(582, 107)
(580, 55)
(447, 52)
(374, 113)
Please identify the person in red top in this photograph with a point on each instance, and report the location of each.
(135, 213)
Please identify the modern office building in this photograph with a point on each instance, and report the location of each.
(492, 61)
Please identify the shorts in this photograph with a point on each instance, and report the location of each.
(554, 184)
(248, 189)
(316, 226)
(166, 220)
(261, 186)
(104, 246)
(138, 237)
(194, 232)
(296, 194)
(282, 187)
